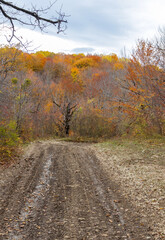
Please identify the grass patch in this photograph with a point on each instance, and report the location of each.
(144, 151)
(134, 142)
(81, 139)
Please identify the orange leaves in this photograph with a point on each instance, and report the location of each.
(144, 84)
(145, 53)
(133, 89)
(48, 106)
(35, 62)
(71, 87)
(118, 66)
(27, 60)
(39, 61)
(110, 87)
(99, 76)
(89, 61)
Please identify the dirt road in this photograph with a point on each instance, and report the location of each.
(60, 191)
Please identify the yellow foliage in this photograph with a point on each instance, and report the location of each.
(133, 89)
(91, 100)
(48, 106)
(74, 73)
(111, 58)
(118, 66)
(84, 63)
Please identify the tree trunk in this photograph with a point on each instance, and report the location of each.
(67, 119)
(67, 128)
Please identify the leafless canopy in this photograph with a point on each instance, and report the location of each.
(11, 15)
(160, 46)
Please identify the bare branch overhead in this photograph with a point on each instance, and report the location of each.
(12, 14)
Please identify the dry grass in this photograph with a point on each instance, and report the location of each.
(139, 167)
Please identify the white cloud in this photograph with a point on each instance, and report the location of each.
(104, 25)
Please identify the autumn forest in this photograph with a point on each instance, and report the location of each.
(44, 94)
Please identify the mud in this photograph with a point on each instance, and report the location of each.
(60, 191)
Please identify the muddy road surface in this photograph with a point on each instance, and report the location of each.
(60, 191)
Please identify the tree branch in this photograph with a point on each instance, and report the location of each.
(35, 20)
(56, 103)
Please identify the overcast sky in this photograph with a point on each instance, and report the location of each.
(99, 26)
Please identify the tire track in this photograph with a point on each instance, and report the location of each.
(69, 196)
(32, 204)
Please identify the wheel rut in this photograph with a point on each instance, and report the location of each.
(64, 193)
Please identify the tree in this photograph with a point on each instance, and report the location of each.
(67, 110)
(160, 47)
(8, 62)
(11, 14)
(21, 94)
(145, 86)
(66, 97)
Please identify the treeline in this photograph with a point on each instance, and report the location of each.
(46, 94)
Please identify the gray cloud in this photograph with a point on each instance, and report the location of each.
(83, 50)
(106, 23)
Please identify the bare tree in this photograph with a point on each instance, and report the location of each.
(160, 46)
(8, 58)
(11, 15)
(67, 109)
